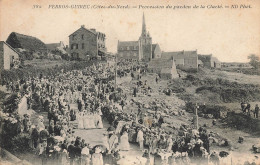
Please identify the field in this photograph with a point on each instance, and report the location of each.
(219, 91)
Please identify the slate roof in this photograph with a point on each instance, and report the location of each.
(52, 46)
(179, 54)
(127, 43)
(154, 46)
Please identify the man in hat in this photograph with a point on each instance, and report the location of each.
(44, 134)
(72, 153)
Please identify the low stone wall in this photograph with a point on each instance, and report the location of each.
(7, 156)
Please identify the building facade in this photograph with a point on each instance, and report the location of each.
(8, 56)
(85, 44)
(183, 59)
(209, 61)
(164, 67)
(141, 50)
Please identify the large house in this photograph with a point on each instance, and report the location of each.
(29, 43)
(9, 57)
(183, 59)
(85, 44)
(141, 50)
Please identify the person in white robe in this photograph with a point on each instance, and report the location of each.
(85, 120)
(124, 143)
(91, 121)
(105, 140)
(113, 140)
(99, 123)
(140, 139)
(80, 120)
(97, 158)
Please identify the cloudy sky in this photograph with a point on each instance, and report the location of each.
(229, 34)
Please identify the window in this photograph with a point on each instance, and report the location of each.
(134, 54)
(73, 37)
(82, 36)
(83, 46)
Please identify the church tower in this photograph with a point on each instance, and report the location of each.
(145, 44)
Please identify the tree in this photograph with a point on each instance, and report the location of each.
(254, 61)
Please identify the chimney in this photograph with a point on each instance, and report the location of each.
(94, 30)
(83, 26)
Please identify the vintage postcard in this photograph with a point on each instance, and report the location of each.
(130, 82)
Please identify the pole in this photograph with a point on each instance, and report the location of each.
(197, 118)
(115, 70)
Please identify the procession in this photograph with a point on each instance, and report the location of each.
(56, 141)
(81, 100)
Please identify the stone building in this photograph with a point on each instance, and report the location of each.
(85, 44)
(156, 51)
(164, 67)
(29, 43)
(9, 57)
(183, 59)
(209, 61)
(55, 46)
(141, 50)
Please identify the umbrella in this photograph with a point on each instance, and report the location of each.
(223, 154)
(110, 129)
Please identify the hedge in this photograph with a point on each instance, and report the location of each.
(21, 73)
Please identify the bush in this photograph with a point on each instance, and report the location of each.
(215, 110)
(233, 94)
(11, 103)
(21, 143)
(242, 122)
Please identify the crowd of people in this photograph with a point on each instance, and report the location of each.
(97, 99)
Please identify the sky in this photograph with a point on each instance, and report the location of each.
(229, 34)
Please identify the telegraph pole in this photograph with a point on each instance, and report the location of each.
(115, 70)
(197, 117)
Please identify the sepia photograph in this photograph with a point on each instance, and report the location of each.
(129, 82)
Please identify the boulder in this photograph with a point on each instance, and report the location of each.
(240, 139)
